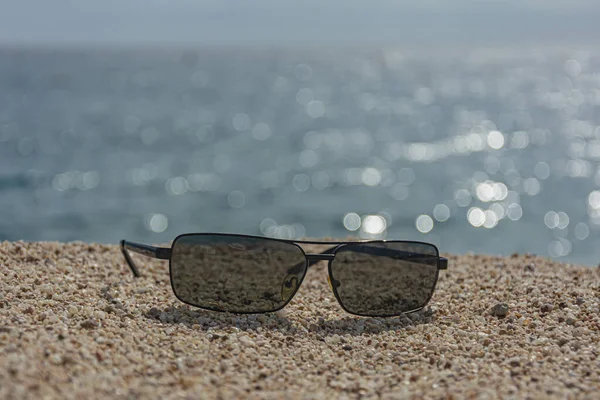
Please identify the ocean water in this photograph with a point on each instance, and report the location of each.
(490, 150)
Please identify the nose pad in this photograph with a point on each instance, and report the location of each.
(332, 284)
(290, 284)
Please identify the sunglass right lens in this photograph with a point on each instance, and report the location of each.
(384, 278)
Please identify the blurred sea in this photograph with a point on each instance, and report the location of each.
(491, 150)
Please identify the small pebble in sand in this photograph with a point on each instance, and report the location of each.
(530, 267)
(514, 362)
(99, 314)
(72, 310)
(500, 310)
(546, 308)
(89, 324)
(56, 359)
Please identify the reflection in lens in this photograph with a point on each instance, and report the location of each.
(385, 278)
(236, 273)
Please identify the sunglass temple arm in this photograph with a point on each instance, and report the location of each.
(400, 254)
(327, 255)
(160, 253)
(443, 263)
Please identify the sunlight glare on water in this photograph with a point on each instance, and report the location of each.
(493, 150)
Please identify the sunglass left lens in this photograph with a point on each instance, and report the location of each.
(384, 278)
(236, 273)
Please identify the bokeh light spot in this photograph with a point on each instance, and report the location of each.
(495, 140)
(157, 222)
(241, 122)
(531, 186)
(374, 224)
(476, 216)
(308, 158)
(371, 176)
(572, 67)
(515, 212)
(315, 109)
(303, 72)
(441, 212)
(551, 219)
(424, 223)
(542, 170)
(352, 221)
(462, 197)
(236, 199)
(301, 182)
(177, 186)
(582, 231)
(267, 226)
(261, 131)
(491, 219)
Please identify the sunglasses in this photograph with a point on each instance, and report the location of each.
(251, 274)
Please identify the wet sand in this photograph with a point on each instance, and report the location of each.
(74, 323)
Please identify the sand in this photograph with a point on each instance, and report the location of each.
(74, 323)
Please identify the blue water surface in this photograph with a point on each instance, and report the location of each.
(491, 150)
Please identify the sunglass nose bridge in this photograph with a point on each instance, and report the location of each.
(320, 257)
(289, 287)
(331, 284)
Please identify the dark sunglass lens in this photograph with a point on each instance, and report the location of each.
(236, 273)
(386, 278)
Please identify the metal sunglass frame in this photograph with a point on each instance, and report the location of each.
(164, 253)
